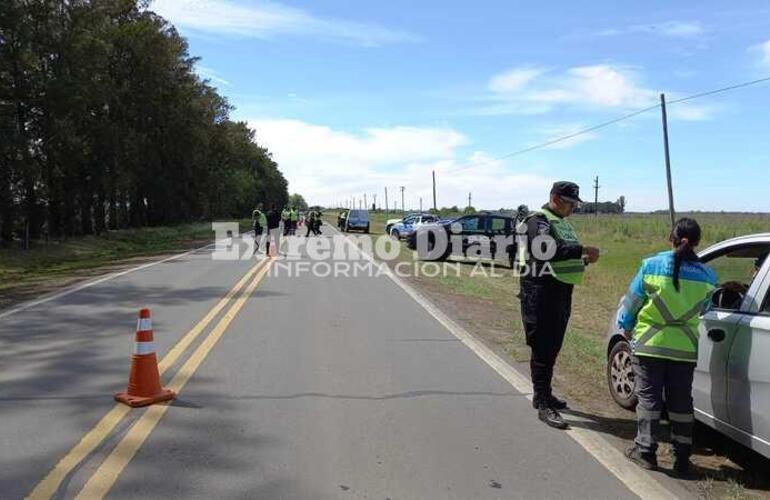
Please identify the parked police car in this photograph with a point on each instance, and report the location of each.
(479, 235)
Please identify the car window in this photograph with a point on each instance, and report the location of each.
(471, 224)
(498, 225)
(736, 271)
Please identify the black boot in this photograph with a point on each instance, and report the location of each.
(556, 403)
(551, 417)
(644, 460)
(552, 401)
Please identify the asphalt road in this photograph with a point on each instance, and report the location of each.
(316, 388)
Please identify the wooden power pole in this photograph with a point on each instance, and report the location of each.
(668, 159)
(596, 196)
(435, 208)
(403, 210)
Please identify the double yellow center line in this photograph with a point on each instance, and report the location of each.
(106, 475)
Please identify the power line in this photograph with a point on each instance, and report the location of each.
(598, 126)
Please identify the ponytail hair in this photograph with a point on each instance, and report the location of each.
(685, 237)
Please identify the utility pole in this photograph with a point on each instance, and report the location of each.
(435, 208)
(386, 200)
(469, 200)
(366, 204)
(403, 210)
(596, 196)
(420, 204)
(374, 204)
(668, 159)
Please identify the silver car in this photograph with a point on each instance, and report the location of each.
(731, 388)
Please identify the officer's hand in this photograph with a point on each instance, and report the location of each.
(591, 253)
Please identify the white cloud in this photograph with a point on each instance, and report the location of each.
(595, 87)
(328, 165)
(267, 20)
(513, 79)
(600, 85)
(671, 29)
(764, 53)
(211, 75)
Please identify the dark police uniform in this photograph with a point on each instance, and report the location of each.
(546, 292)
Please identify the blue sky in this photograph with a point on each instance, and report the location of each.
(352, 97)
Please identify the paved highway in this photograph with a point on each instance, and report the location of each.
(290, 386)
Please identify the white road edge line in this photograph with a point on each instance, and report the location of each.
(634, 478)
(88, 284)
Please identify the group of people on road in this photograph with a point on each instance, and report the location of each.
(267, 225)
(659, 317)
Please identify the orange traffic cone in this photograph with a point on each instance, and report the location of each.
(144, 380)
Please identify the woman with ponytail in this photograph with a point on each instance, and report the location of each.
(660, 316)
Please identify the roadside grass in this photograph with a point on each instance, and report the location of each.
(488, 306)
(26, 273)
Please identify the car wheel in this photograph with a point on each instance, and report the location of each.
(388, 228)
(367, 229)
(395, 234)
(620, 376)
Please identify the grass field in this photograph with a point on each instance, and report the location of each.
(488, 306)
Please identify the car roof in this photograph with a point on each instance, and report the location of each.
(749, 239)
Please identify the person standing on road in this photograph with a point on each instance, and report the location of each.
(310, 223)
(259, 222)
(285, 220)
(546, 289)
(660, 317)
(293, 219)
(317, 222)
(273, 218)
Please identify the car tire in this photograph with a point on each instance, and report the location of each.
(367, 229)
(395, 234)
(620, 376)
(388, 228)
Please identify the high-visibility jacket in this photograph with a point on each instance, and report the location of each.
(293, 215)
(569, 270)
(259, 217)
(285, 214)
(665, 321)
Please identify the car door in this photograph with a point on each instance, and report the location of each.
(718, 329)
(748, 372)
(497, 229)
(473, 234)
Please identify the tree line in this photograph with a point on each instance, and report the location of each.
(104, 124)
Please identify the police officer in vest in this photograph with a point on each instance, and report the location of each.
(660, 316)
(548, 273)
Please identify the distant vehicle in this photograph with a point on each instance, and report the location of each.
(731, 387)
(357, 220)
(410, 224)
(392, 222)
(477, 232)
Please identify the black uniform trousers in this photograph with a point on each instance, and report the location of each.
(546, 304)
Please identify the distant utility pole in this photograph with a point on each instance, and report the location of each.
(469, 200)
(366, 205)
(386, 200)
(668, 159)
(596, 196)
(374, 204)
(420, 204)
(434, 191)
(403, 210)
